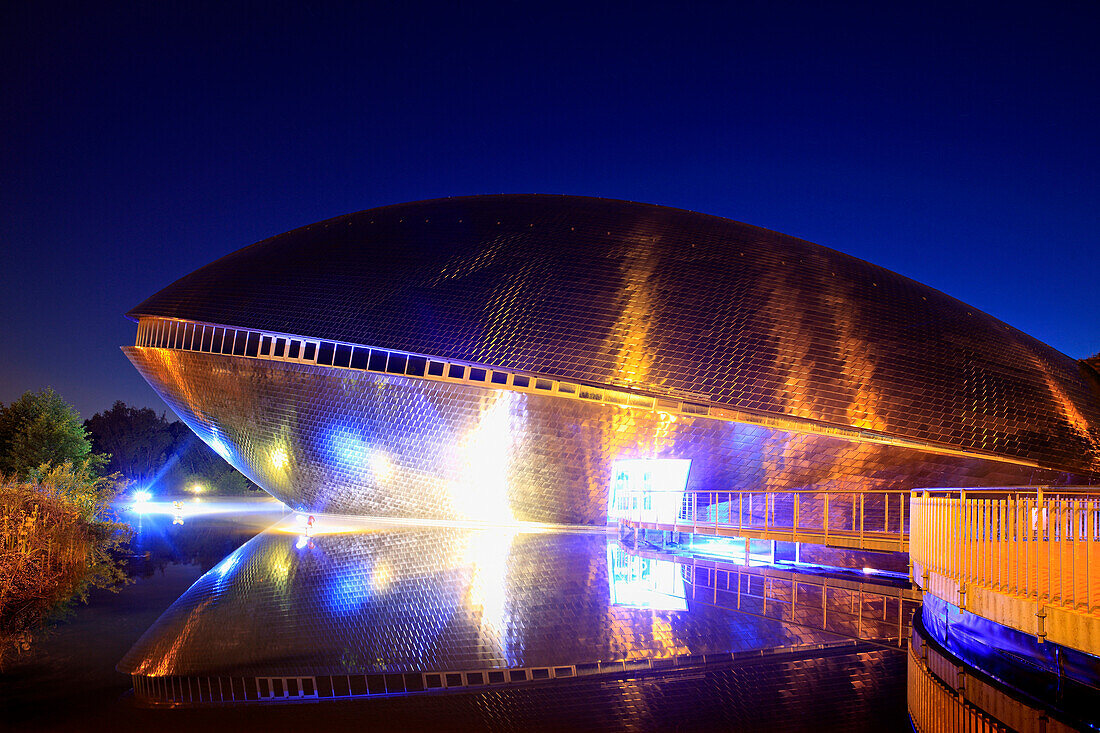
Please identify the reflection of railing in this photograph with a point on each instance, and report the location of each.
(1039, 546)
(944, 695)
(870, 520)
(843, 606)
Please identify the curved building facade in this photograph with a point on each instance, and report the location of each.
(505, 357)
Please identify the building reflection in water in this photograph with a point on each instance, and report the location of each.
(388, 612)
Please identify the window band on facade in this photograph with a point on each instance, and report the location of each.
(207, 338)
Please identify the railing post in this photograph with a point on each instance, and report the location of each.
(794, 527)
(695, 513)
(1089, 539)
(886, 513)
(861, 495)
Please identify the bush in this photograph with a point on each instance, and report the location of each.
(57, 543)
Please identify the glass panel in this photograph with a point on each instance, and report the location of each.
(325, 353)
(252, 345)
(294, 350)
(378, 360)
(343, 356)
(397, 363)
(416, 366)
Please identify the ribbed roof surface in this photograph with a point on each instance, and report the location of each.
(664, 300)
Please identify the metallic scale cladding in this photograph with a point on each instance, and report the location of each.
(493, 357)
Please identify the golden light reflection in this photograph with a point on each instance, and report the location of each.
(381, 576)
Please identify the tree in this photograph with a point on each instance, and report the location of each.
(40, 428)
(147, 449)
(138, 440)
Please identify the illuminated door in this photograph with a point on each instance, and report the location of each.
(647, 489)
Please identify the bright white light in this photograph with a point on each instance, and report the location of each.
(142, 496)
(279, 458)
(381, 467)
(219, 445)
(481, 491)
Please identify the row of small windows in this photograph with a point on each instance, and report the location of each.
(256, 689)
(165, 334)
(219, 340)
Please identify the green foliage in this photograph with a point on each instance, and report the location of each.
(57, 542)
(40, 428)
(145, 447)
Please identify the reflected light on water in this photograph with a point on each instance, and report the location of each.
(641, 582)
(198, 508)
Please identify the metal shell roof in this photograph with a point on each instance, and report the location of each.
(664, 301)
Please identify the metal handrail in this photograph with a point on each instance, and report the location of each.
(1037, 547)
(868, 518)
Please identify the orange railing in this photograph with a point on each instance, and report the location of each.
(1037, 543)
(871, 519)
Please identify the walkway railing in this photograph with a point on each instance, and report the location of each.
(867, 611)
(1039, 544)
(944, 696)
(869, 520)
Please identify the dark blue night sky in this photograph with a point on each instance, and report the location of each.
(958, 147)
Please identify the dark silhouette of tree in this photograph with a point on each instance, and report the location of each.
(147, 449)
(137, 439)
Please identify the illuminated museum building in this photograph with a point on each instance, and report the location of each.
(522, 357)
